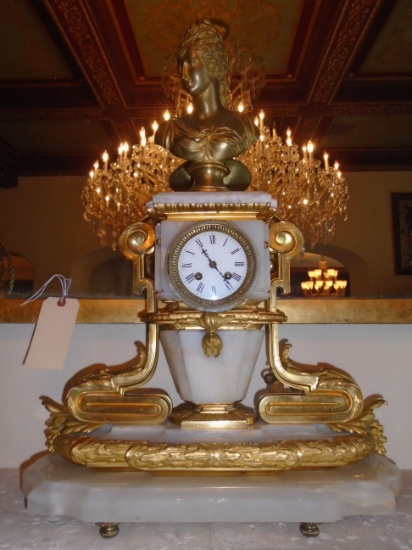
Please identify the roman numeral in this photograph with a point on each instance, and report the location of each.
(236, 276)
(190, 278)
(200, 287)
(212, 239)
(199, 242)
(239, 264)
(235, 250)
(187, 265)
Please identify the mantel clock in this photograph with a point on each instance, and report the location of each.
(220, 256)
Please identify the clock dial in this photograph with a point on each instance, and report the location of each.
(212, 265)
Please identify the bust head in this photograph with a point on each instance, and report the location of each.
(206, 42)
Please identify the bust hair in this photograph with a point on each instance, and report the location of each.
(207, 42)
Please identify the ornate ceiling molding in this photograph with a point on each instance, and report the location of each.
(355, 20)
(76, 26)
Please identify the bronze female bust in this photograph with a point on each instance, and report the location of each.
(211, 136)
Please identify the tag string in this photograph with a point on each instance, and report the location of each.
(65, 284)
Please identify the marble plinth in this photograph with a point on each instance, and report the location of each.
(54, 487)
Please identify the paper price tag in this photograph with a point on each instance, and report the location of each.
(51, 339)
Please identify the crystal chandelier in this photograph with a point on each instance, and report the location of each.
(116, 193)
(323, 282)
(308, 194)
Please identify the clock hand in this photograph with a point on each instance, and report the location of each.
(212, 263)
(223, 275)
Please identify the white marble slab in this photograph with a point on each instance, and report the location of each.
(228, 197)
(56, 487)
(23, 531)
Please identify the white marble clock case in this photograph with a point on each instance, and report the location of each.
(256, 230)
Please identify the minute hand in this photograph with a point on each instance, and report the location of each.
(213, 265)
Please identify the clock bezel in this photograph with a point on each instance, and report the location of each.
(184, 293)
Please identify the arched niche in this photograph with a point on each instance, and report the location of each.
(102, 273)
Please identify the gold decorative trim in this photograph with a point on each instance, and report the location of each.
(216, 457)
(353, 24)
(212, 344)
(233, 319)
(321, 405)
(144, 408)
(287, 241)
(220, 211)
(75, 22)
(137, 244)
(137, 239)
(299, 311)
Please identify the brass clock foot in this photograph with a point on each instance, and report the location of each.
(108, 530)
(309, 528)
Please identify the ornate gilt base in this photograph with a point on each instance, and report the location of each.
(215, 456)
(259, 448)
(215, 416)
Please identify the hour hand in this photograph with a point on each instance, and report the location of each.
(213, 265)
